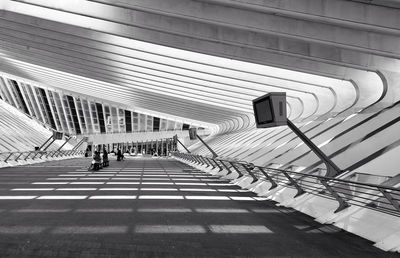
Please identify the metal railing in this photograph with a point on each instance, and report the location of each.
(379, 197)
(7, 157)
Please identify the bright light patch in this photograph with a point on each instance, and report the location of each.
(161, 197)
(113, 197)
(41, 210)
(325, 142)
(118, 189)
(187, 179)
(32, 189)
(104, 210)
(62, 197)
(240, 229)
(91, 230)
(222, 210)
(157, 183)
(181, 176)
(18, 197)
(123, 183)
(21, 229)
(125, 178)
(197, 190)
(170, 229)
(94, 175)
(76, 189)
(172, 210)
(350, 116)
(155, 179)
(216, 198)
(158, 189)
(96, 178)
(58, 178)
(87, 183)
(50, 183)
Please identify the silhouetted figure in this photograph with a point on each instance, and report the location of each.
(105, 158)
(97, 160)
(120, 156)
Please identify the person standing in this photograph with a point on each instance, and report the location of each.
(105, 158)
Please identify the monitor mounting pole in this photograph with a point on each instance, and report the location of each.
(332, 169)
(208, 147)
(176, 137)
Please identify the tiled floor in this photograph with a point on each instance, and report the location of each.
(152, 208)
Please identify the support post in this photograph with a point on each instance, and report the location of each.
(176, 137)
(250, 171)
(54, 139)
(208, 147)
(332, 169)
(9, 156)
(342, 203)
(300, 190)
(41, 155)
(45, 142)
(269, 178)
(210, 162)
(205, 161)
(16, 159)
(29, 153)
(61, 146)
(237, 170)
(218, 165)
(39, 152)
(79, 144)
(389, 197)
(227, 168)
(197, 159)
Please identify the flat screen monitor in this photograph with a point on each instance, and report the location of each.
(270, 110)
(57, 135)
(263, 111)
(193, 133)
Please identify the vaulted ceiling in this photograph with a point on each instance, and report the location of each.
(205, 60)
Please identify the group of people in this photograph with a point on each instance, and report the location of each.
(120, 155)
(97, 162)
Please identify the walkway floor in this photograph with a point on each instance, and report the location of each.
(153, 208)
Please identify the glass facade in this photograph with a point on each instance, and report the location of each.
(74, 115)
(35, 103)
(55, 111)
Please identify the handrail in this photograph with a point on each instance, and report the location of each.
(24, 155)
(345, 192)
